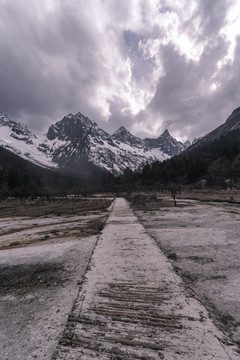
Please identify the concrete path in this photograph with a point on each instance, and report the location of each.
(132, 304)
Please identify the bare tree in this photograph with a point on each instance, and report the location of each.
(173, 193)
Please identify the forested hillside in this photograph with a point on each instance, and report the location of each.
(215, 164)
(21, 178)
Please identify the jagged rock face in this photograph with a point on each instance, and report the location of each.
(69, 139)
(16, 138)
(76, 139)
(167, 144)
(18, 130)
(124, 136)
(73, 127)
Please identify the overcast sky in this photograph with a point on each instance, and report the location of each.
(145, 64)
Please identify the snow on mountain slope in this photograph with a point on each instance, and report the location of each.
(167, 144)
(122, 135)
(76, 139)
(117, 158)
(16, 138)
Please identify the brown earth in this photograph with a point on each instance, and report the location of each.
(90, 210)
(53, 206)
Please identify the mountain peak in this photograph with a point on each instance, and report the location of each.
(122, 131)
(76, 139)
(168, 144)
(16, 130)
(122, 128)
(234, 114)
(71, 127)
(4, 120)
(236, 111)
(80, 118)
(166, 132)
(165, 135)
(124, 136)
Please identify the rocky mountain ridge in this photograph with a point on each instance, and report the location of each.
(76, 139)
(167, 144)
(232, 123)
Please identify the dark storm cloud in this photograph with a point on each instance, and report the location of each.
(119, 118)
(184, 100)
(228, 96)
(119, 63)
(183, 96)
(212, 15)
(141, 67)
(49, 66)
(24, 85)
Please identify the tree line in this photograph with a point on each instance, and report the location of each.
(216, 164)
(20, 178)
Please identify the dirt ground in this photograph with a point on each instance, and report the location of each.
(201, 238)
(45, 247)
(227, 195)
(134, 306)
(52, 206)
(25, 223)
(154, 200)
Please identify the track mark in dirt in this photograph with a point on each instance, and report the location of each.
(133, 306)
(75, 228)
(125, 324)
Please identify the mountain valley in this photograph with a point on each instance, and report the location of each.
(76, 139)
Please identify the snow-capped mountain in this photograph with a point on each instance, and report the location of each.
(122, 135)
(16, 138)
(76, 138)
(168, 144)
